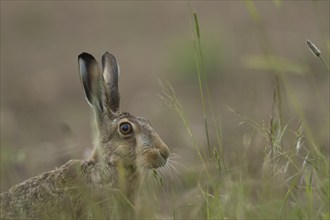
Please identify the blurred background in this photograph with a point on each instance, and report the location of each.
(45, 120)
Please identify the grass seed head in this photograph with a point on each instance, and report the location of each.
(316, 51)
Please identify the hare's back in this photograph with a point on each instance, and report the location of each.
(49, 194)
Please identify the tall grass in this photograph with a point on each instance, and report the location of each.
(294, 180)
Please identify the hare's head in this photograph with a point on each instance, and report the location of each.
(123, 138)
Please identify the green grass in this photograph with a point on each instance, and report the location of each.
(288, 180)
(293, 179)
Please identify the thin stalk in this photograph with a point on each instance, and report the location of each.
(325, 63)
(268, 52)
(297, 106)
(170, 98)
(198, 61)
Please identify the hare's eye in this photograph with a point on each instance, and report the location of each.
(125, 128)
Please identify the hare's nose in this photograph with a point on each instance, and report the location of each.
(164, 152)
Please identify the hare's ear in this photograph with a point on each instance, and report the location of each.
(92, 81)
(110, 75)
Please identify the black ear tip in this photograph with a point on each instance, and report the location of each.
(106, 53)
(85, 56)
(108, 57)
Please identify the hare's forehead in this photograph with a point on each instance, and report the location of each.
(139, 121)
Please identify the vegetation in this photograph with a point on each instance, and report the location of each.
(293, 180)
(278, 168)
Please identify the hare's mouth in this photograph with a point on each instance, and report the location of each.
(154, 159)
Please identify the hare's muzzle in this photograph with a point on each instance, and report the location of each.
(164, 152)
(156, 155)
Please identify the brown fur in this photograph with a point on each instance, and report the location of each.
(116, 164)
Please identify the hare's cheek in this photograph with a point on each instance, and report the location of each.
(153, 159)
(150, 157)
(143, 141)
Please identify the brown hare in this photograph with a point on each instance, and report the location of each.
(126, 145)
